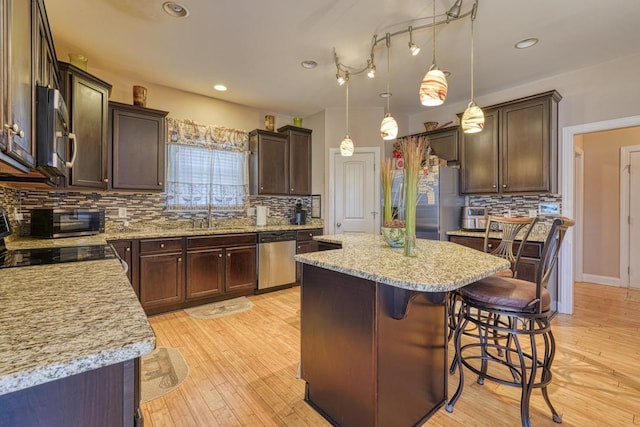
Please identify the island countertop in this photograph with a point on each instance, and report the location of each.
(65, 319)
(439, 266)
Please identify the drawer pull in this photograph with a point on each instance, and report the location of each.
(128, 250)
(162, 245)
(219, 255)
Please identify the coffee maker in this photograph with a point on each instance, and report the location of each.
(299, 215)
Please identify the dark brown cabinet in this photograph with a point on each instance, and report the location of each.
(161, 273)
(299, 159)
(443, 143)
(529, 260)
(516, 152)
(268, 163)
(87, 100)
(137, 137)
(220, 265)
(125, 250)
(46, 63)
(306, 244)
(280, 163)
(17, 102)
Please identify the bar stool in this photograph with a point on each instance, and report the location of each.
(511, 228)
(513, 320)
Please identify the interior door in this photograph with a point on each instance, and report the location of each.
(634, 219)
(355, 185)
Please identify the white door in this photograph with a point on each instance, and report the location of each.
(634, 219)
(356, 192)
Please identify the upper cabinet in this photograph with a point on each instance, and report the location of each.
(280, 163)
(268, 163)
(16, 86)
(443, 143)
(137, 136)
(516, 152)
(87, 99)
(299, 159)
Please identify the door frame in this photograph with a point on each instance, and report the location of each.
(331, 204)
(625, 228)
(579, 216)
(565, 260)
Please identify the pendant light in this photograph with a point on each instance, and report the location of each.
(433, 90)
(473, 118)
(346, 146)
(389, 126)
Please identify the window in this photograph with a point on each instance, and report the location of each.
(203, 172)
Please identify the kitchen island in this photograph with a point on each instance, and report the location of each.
(373, 327)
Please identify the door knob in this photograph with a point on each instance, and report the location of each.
(339, 224)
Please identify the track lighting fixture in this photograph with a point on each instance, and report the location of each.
(433, 90)
(341, 79)
(414, 48)
(389, 126)
(473, 118)
(372, 72)
(346, 146)
(454, 11)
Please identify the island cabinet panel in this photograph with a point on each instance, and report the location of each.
(372, 354)
(106, 396)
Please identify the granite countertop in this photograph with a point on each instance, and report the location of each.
(538, 234)
(177, 232)
(438, 267)
(65, 319)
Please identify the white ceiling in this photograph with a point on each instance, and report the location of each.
(256, 47)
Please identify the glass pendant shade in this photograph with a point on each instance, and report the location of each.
(388, 128)
(346, 146)
(433, 90)
(472, 119)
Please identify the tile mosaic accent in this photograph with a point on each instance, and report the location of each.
(143, 209)
(517, 205)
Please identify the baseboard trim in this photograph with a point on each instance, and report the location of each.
(601, 280)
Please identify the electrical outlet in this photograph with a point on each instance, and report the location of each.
(122, 212)
(533, 212)
(251, 211)
(17, 214)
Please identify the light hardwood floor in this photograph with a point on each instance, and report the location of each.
(243, 369)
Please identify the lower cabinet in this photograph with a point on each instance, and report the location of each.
(529, 260)
(124, 249)
(161, 273)
(221, 265)
(305, 244)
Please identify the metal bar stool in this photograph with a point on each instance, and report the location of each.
(512, 229)
(513, 342)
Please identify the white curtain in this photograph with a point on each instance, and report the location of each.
(207, 167)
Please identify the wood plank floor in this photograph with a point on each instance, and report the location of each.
(243, 369)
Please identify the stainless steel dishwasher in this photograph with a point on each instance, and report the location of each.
(276, 265)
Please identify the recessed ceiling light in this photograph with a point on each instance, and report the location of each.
(175, 9)
(220, 88)
(525, 43)
(309, 64)
(385, 95)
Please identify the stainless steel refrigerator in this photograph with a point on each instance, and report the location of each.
(439, 204)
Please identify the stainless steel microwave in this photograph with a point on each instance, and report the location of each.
(52, 133)
(53, 223)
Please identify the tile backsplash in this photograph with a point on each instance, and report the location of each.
(516, 205)
(142, 209)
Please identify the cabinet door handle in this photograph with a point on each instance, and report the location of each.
(262, 188)
(228, 255)
(128, 250)
(299, 247)
(160, 183)
(504, 185)
(162, 245)
(490, 246)
(106, 180)
(291, 190)
(494, 186)
(179, 259)
(15, 130)
(219, 255)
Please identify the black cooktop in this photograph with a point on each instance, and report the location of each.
(44, 256)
